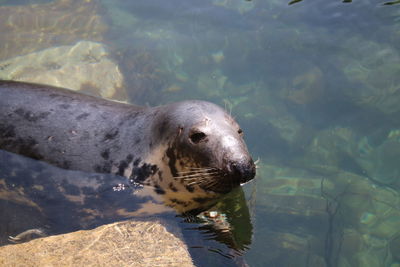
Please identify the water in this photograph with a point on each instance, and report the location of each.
(314, 85)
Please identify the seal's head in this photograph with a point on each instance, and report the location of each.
(204, 153)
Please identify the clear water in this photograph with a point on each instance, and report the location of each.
(316, 87)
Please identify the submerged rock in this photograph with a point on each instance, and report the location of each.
(285, 249)
(380, 161)
(334, 146)
(129, 243)
(335, 216)
(288, 199)
(374, 74)
(395, 247)
(29, 28)
(305, 88)
(84, 66)
(297, 219)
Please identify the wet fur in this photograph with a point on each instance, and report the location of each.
(150, 146)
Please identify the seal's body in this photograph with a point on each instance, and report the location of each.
(187, 152)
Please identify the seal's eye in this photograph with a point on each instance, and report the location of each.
(197, 137)
(240, 132)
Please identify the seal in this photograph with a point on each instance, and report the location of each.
(188, 152)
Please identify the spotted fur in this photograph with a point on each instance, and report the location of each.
(188, 153)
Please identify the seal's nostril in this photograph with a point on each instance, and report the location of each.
(242, 172)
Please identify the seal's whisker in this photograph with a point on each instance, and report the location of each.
(191, 172)
(186, 174)
(204, 184)
(194, 173)
(195, 178)
(186, 178)
(211, 173)
(197, 170)
(200, 168)
(206, 177)
(190, 176)
(203, 177)
(197, 174)
(211, 183)
(200, 180)
(256, 163)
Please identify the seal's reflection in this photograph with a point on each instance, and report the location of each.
(226, 225)
(228, 221)
(40, 199)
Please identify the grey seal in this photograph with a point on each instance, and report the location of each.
(187, 152)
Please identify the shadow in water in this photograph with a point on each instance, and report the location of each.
(38, 199)
(225, 225)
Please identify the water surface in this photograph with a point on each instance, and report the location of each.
(314, 85)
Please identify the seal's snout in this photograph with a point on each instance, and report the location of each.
(242, 172)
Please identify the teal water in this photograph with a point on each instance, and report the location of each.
(314, 85)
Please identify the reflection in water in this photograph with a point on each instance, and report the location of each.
(229, 223)
(38, 200)
(37, 195)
